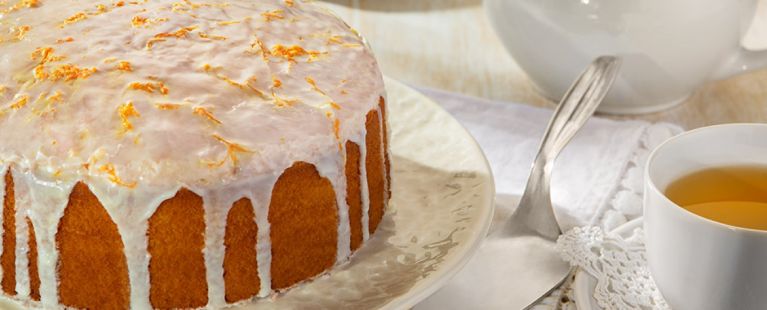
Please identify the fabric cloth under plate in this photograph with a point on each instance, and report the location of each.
(597, 181)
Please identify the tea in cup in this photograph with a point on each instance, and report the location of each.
(706, 218)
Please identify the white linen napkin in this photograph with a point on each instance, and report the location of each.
(587, 181)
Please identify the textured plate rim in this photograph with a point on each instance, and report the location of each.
(427, 286)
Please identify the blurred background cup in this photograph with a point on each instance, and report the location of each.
(668, 47)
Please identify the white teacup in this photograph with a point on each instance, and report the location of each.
(668, 47)
(699, 263)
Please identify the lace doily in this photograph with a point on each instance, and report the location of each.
(624, 205)
(619, 265)
(598, 251)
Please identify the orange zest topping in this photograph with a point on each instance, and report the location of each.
(66, 72)
(20, 5)
(69, 72)
(138, 21)
(124, 66)
(289, 3)
(261, 48)
(244, 86)
(64, 40)
(74, 18)
(149, 87)
(119, 4)
(314, 85)
(208, 68)
(276, 83)
(109, 169)
(289, 53)
(20, 103)
(49, 102)
(205, 35)
(126, 111)
(282, 102)
(167, 106)
(3, 88)
(335, 40)
(179, 34)
(56, 97)
(232, 149)
(337, 128)
(152, 41)
(40, 73)
(45, 55)
(334, 105)
(100, 8)
(21, 31)
(204, 112)
(229, 22)
(272, 15)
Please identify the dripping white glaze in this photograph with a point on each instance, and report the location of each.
(22, 240)
(47, 201)
(167, 149)
(364, 188)
(216, 205)
(333, 169)
(130, 211)
(260, 196)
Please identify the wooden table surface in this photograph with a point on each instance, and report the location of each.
(450, 45)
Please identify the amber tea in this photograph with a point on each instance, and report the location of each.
(735, 195)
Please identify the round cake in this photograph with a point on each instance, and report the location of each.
(183, 154)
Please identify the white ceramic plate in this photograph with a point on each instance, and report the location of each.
(584, 284)
(441, 206)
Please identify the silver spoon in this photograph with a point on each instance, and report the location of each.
(533, 229)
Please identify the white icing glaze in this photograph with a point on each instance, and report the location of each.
(22, 239)
(47, 202)
(22, 201)
(260, 197)
(217, 205)
(131, 210)
(224, 98)
(364, 188)
(333, 168)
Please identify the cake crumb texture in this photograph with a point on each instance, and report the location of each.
(92, 270)
(303, 217)
(177, 266)
(240, 261)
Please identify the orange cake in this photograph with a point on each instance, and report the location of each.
(183, 154)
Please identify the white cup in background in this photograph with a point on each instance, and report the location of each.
(698, 263)
(668, 47)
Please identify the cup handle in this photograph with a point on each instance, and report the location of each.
(742, 61)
